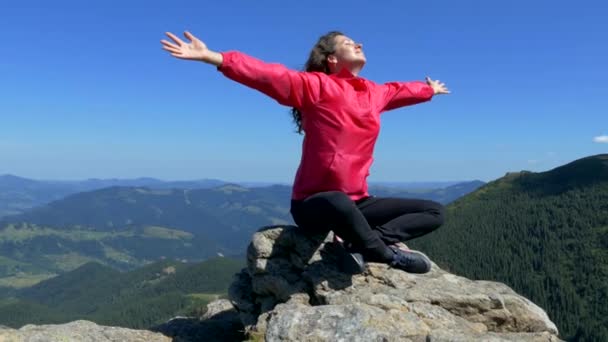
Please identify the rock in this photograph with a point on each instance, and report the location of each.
(291, 290)
(219, 323)
(78, 331)
(216, 307)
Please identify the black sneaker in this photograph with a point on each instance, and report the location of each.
(409, 261)
(352, 263)
(349, 262)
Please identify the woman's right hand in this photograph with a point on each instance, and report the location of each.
(195, 50)
(438, 86)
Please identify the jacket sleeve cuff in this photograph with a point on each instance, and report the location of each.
(227, 60)
(428, 91)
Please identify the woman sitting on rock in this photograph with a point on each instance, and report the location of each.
(339, 112)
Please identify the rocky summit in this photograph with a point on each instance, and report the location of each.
(293, 291)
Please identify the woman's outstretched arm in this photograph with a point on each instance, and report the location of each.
(286, 86)
(400, 94)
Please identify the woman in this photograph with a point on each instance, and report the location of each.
(340, 115)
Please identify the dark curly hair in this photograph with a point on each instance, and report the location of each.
(317, 61)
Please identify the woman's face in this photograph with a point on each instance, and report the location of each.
(347, 53)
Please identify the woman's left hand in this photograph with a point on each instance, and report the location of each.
(438, 87)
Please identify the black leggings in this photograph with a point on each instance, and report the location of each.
(369, 224)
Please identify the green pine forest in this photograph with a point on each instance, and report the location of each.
(140, 298)
(543, 234)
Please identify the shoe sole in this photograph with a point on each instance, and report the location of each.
(352, 263)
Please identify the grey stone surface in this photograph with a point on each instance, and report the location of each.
(293, 291)
(78, 331)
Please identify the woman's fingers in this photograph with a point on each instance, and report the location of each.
(189, 35)
(169, 45)
(175, 38)
(172, 50)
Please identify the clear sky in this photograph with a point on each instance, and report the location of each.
(86, 90)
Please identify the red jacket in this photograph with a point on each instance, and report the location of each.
(340, 118)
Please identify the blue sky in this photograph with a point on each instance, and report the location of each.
(88, 92)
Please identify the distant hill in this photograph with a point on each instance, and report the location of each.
(31, 253)
(441, 195)
(415, 185)
(227, 213)
(130, 227)
(545, 234)
(138, 299)
(18, 194)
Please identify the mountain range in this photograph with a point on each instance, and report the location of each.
(544, 234)
(18, 194)
(128, 227)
